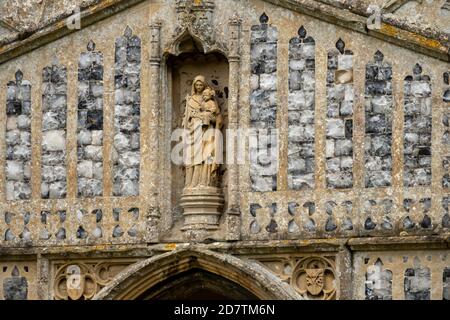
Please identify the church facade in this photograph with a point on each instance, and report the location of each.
(229, 149)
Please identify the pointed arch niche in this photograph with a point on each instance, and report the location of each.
(181, 70)
(195, 48)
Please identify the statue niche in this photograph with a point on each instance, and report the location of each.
(198, 84)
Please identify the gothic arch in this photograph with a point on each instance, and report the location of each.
(141, 277)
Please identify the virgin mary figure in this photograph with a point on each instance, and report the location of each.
(199, 117)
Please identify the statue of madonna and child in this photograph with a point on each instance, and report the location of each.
(202, 123)
(202, 199)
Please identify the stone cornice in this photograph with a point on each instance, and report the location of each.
(349, 14)
(27, 42)
(352, 16)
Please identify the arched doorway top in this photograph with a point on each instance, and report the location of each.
(144, 275)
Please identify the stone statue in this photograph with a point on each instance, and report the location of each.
(202, 199)
(202, 123)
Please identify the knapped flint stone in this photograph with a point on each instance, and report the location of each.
(369, 224)
(340, 180)
(134, 54)
(122, 142)
(330, 225)
(333, 110)
(268, 82)
(90, 188)
(85, 169)
(24, 122)
(98, 170)
(335, 128)
(84, 137)
(53, 121)
(125, 173)
(426, 222)
(264, 184)
(14, 170)
(22, 153)
(54, 140)
(254, 82)
(297, 64)
(53, 173)
(94, 120)
(117, 232)
(345, 62)
(346, 108)
(135, 141)
(378, 179)
(13, 108)
(126, 188)
(376, 124)
(333, 165)
(381, 145)
(15, 288)
(53, 158)
(295, 81)
(344, 147)
(446, 221)
(13, 137)
(94, 153)
(97, 137)
(57, 190)
(347, 225)
(421, 89)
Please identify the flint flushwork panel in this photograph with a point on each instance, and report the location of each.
(301, 164)
(263, 107)
(18, 139)
(90, 123)
(54, 119)
(378, 282)
(418, 127)
(339, 123)
(378, 110)
(126, 154)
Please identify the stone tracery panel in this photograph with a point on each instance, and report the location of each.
(339, 122)
(301, 105)
(378, 282)
(18, 139)
(81, 280)
(54, 119)
(263, 106)
(417, 283)
(417, 129)
(378, 110)
(126, 155)
(90, 123)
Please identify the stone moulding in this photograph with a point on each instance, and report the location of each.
(144, 275)
(433, 44)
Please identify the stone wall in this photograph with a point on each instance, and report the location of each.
(357, 184)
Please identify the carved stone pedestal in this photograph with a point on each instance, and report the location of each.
(202, 210)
